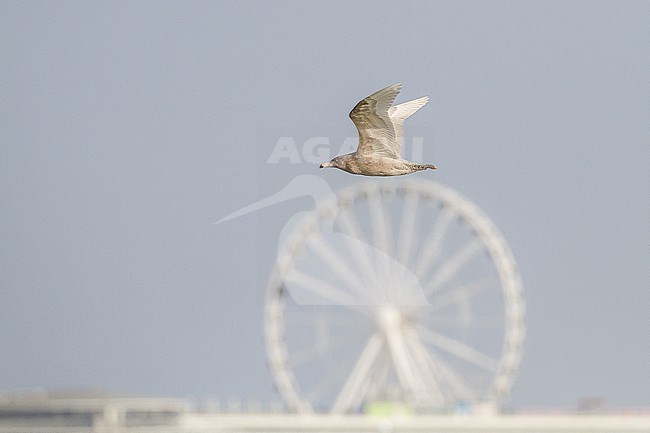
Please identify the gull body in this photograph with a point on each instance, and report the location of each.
(381, 136)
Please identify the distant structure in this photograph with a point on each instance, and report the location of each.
(100, 412)
(395, 295)
(89, 410)
(395, 306)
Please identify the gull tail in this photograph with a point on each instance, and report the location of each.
(420, 167)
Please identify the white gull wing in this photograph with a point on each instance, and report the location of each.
(399, 113)
(376, 130)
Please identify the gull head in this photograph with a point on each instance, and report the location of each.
(337, 162)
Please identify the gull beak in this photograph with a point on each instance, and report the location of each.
(326, 164)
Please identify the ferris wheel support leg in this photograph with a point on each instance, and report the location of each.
(431, 394)
(400, 354)
(462, 391)
(407, 226)
(349, 395)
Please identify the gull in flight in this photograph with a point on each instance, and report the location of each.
(381, 135)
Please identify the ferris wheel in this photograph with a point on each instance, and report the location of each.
(394, 291)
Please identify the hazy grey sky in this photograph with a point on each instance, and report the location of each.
(128, 128)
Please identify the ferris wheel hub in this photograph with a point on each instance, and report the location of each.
(389, 317)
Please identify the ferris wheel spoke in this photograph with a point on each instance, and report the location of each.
(445, 374)
(355, 240)
(402, 359)
(332, 319)
(382, 241)
(381, 226)
(455, 380)
(323, 290)
(459, 350)
(426, 370)
(322, 347)
(456, 322)
(349, 394)
(451, 266)
(407, 227)
(326, 253)
(349, 224)
(431, 246)
(462, 293)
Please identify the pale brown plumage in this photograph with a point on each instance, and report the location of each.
(381, 135)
